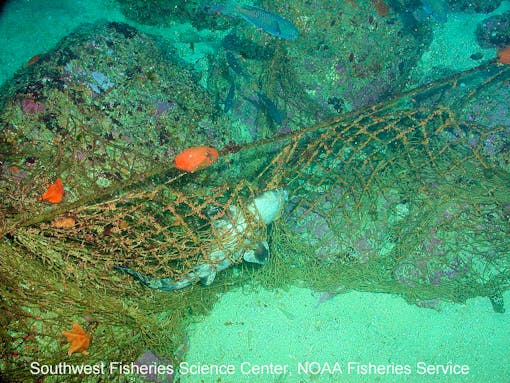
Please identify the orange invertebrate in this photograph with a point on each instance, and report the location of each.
(54, 193)
(195, 158)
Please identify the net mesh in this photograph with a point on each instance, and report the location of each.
(406, 196)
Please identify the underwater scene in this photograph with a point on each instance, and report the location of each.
(308, 191)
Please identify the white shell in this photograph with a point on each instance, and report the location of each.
(269, 205)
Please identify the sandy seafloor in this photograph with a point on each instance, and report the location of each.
(287, 327)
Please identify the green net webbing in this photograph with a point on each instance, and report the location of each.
(409, 196)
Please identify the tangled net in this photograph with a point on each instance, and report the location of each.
(407, 196)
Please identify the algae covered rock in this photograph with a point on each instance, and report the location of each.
(164, 12)
(108, 105)
(353, 53)
(494, 31)
(105, 112)
(348, 55)
(477, 6)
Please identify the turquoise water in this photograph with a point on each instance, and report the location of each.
(346, 57)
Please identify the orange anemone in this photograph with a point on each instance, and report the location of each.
(54, 193)
(195, 158)
(504, 55)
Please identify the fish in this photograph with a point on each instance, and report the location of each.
(234, 64)
(277, 115)
(436, 8)
(264, 103)
(54, 193)
(228, 103)
(195, 158)
(237, 243)
(63, 223)
(269, 22)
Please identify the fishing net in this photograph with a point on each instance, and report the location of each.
(409, 196)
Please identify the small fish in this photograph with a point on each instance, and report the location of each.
(324, 297)
(195, 158)
(498, 303)
(234, 64)
(436, 8)
(54, 193)
(63, 223)
(228, 103)
(277, 115)
(269, 22)
(264, 103)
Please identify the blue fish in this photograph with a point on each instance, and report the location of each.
(437, 8)
(277, 115)
(234, 64)
(269, 22)
(264, 103)
(228, 103)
